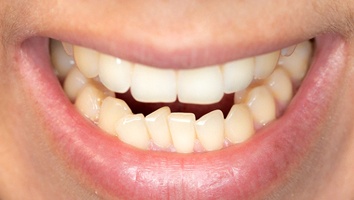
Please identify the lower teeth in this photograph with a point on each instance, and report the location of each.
(253, 107)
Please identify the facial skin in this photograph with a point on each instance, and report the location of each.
(32, 166)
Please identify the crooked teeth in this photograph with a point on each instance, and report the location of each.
(265, 64)
(86, 60)
(182, 131)
(158, 127)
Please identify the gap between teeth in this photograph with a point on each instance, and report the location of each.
(263, 87)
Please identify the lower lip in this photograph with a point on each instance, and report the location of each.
(241, 171)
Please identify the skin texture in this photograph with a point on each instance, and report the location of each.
(208, 32)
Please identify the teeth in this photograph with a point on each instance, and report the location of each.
(60, 60)
(115, 73)
(238, 75)
(86, 60)
(210, 130)
(261, 104)
(281, 86)
(288, 51)
(239, 124)
(73, 83)
(265, 64)
(112, 110)
(153, 85)
(200, 86)
(68, 48)
(158, 127)
(182, 131)
(132, 130)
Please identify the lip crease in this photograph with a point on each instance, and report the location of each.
(241, 171)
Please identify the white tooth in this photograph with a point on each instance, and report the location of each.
(210, 130)
(115, 73)
(240, 96)
(158, 127)
(86, 60)
(288, 51)
(238, 75)
(200, 86)
(132, 130)
(73, 83)
(265, 64)
(262, 105)
(61, 61)
(281, 86)
(239, 124)
(68, 48)
(298, 63)
(182, 131)
(89, 101)
(153, 85)
(112, 110)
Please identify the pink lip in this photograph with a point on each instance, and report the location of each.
(239, 172)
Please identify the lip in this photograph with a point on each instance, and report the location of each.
(244, 171)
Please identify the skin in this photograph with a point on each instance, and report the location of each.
(208, 32)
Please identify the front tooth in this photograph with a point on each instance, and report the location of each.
(158, 127)
(261, 104)
(112, 110)
(210, 130)
(89, 101)
(200, 86)
(132, 130)
(298, 62)
(61, 61)
(182, 131)
(280, 85)
(265, 64)
(239, 124)
(238, 75)
(153, 85)
(115, 73)
(86, 60)
(73, 83)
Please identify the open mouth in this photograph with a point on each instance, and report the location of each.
(233, 130)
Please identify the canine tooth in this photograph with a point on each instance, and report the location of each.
(200, 86)
(210, 130)
(68, 48)
(288, 51)
(153, 85)
(61, 61)
(73, 83)
(89, 101)
(262, 105)
(182, 131)
(112, 110)
(239, 124)
(132, 130)
(86, 60)
(298, 62)
(281, 86)
(265, 64)
(115, 73)
(238, 75)
(158, 127)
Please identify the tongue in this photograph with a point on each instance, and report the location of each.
(199, 110)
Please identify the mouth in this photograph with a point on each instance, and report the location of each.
(232, 130)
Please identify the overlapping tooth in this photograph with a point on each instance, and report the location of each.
(73, 83)
(89, 101)
(115, 73)
(153, 85)
(239, 124)
(157, 125)
(298, 63)
(288, 51)
(68, 48)
(182, 131)
(210, 130)
(238, 74)
(132, 130)
(86, 60)
(61, 61)
(265, 64)
(280, 85)
(200, 86)
(261, 104)
(112, 110)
